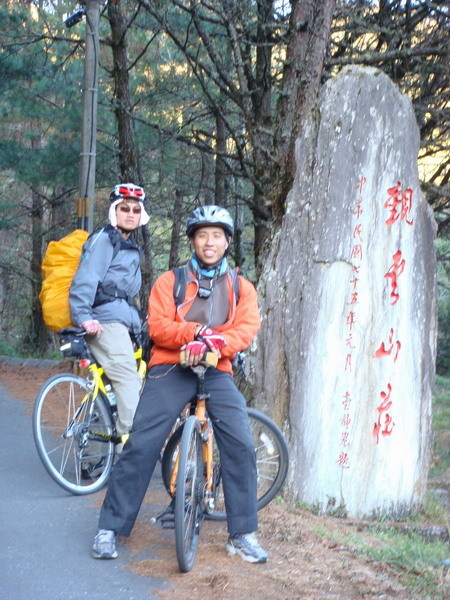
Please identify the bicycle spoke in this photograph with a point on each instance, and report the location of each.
(188, 511)
(77, 460)
(271, 462)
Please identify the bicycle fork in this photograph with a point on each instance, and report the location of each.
(207, 493)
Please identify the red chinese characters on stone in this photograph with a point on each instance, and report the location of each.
(350, 320)
(394, 272)
(348, 363)
(356, 252)
(399, 204)
(346, 401)
(349, 342)
(345, 439)
(358, 209)
(357, 232)
(354, 282)
(356, 256)
(346, 420)
(383, 351)
(385, 423)
(342, 461)
(353, 298)
(361, 183)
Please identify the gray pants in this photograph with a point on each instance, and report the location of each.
(167, 390)
(114, 351)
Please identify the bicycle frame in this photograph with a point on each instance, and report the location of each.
(96, 384)
(207, 450)
(96, 379)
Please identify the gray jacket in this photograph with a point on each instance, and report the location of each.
(99, 266)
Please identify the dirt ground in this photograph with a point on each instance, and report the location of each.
(304, 563)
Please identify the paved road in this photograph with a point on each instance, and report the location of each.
(46, 533)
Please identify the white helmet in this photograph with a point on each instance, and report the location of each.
(127, 191)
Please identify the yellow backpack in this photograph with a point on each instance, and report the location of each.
(59, 266)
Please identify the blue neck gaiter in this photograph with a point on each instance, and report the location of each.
(218, 269)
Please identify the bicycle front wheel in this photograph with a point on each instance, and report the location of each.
(74, 438)
(188, 495)
(272, 460)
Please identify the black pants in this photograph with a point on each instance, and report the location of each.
(162, 400)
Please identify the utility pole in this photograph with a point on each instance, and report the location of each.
(85, 208)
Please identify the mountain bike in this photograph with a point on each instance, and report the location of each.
(192, 475)
(74, 419)
(271, 460)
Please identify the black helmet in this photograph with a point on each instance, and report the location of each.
(210, 215)
(127, 190)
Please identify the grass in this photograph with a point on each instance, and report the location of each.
(419, 564)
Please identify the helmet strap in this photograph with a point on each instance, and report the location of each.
(126, 232)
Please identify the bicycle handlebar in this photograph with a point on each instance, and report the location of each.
(209, 359)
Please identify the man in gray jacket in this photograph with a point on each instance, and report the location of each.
(102, 292)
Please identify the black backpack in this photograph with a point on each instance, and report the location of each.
(181, 277)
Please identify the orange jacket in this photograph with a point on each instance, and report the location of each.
(169, 331)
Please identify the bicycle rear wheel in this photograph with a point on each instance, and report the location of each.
(188, 495)
(74, 439)
(272, 460)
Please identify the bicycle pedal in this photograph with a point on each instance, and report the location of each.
(168, 523)
(165, 519)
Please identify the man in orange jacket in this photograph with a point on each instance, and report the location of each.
(209, 318)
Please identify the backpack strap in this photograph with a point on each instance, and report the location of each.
(235, 282)
(179, 287)
(115, 238)
(110, 293)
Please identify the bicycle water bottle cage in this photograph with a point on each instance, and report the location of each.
(209, 359)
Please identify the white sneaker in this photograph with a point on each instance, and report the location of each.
(247, 547)
(104, 544)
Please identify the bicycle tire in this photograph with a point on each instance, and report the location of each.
(58, 427)
(188, 513)
(272, 461)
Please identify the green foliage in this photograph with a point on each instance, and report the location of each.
(443, 282)
(441, 428)
(8, 215)
(6, 349)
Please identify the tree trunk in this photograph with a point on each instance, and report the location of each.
(346, 352)
(275, 165)
(36, 337)
(122, 102)
(220, 198)
(176, 230)
(238, 246)
(128, 161)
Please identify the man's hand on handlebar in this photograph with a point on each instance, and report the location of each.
(212, 338)
(196, 350)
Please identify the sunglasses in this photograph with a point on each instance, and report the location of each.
(126, 209)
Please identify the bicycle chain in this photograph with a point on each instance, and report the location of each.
(162, 374)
